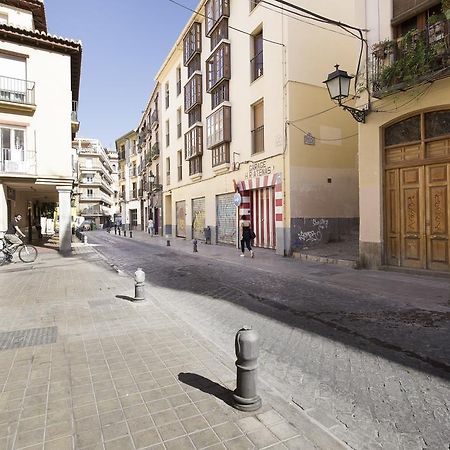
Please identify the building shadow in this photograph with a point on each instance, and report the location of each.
(207, 386)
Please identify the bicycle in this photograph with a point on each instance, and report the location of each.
(27, 253)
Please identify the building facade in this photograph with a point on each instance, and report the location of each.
(404, 146)
(129, 214)
(37, 117)
(97, 181)
(246, 113)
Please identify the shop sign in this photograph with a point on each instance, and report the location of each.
(258, 169)
(237, 199)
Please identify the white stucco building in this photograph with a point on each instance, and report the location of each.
(37, 117)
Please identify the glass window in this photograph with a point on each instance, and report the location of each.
(257, 60)
(437, 124)
(403, 132)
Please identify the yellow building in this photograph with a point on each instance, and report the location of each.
(404, 146)
(242, 110)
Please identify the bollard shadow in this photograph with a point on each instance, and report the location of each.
(125, 297)
(207, 386)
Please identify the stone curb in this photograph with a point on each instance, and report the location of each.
(324, 259)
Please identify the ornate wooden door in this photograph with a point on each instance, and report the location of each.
(392, 215)
(412, 214)
(437, 216)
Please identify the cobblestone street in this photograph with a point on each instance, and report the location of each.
(364, 353)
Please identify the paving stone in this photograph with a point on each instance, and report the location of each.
(171, 431)
(203, 439)
(240, 443)
(182, 443)
(195, 423)
(262, 438)
(146, 438)
(227, 431)
(123, 443)
(62, 443)
(115, 430)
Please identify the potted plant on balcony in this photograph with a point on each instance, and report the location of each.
(445, 5)
(383, 48)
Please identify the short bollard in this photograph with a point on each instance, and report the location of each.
(85, 239)
(194, 243)
(125, 233)
(168, 243)
(139, 278)
(246, 344)
(115, 230)
(131, 234)
(119, 231)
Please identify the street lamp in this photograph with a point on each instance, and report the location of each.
(338, 85)
(151, 179)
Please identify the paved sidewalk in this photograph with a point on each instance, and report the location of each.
(82, 367)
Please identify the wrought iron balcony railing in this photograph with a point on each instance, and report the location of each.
(418, 56)
(154, 150)
(16, 91)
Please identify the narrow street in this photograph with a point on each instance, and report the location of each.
(372, 368)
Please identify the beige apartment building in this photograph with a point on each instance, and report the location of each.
(129, 204)
(97, 180)
(404, 146)
(242, 126)
(37, 117)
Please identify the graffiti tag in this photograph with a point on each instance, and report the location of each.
(310, 236)
(321, 224)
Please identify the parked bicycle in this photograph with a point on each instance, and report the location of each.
(27, 253)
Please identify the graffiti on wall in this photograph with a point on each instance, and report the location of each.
(181, 218)
(314, 235)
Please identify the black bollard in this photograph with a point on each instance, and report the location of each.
(125, 233)
(168, 243)
(131, 233)
(194, 243)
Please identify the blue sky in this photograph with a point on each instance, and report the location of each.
(124, 45)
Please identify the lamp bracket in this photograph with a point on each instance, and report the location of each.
(358, 114)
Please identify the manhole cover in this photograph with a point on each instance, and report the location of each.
(27, 338)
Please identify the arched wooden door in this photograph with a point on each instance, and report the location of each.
(417, 191)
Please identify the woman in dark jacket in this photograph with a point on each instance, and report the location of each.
(246, 235)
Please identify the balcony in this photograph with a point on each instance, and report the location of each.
(154, 152)
(154, 119)
(74, 117)
(416, 57)
(192, 43)
(17, 161)
(16, 96)
(193, 142)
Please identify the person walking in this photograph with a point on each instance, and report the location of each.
(150, 227)
(13, 233)
(246, 233)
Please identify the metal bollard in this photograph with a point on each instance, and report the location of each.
(85, 239)
(168, 243)
(119, 231)
(194, 243)
(125, 232)
(115, 230)
(246, 344)
(139, 278)
(131, 233)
